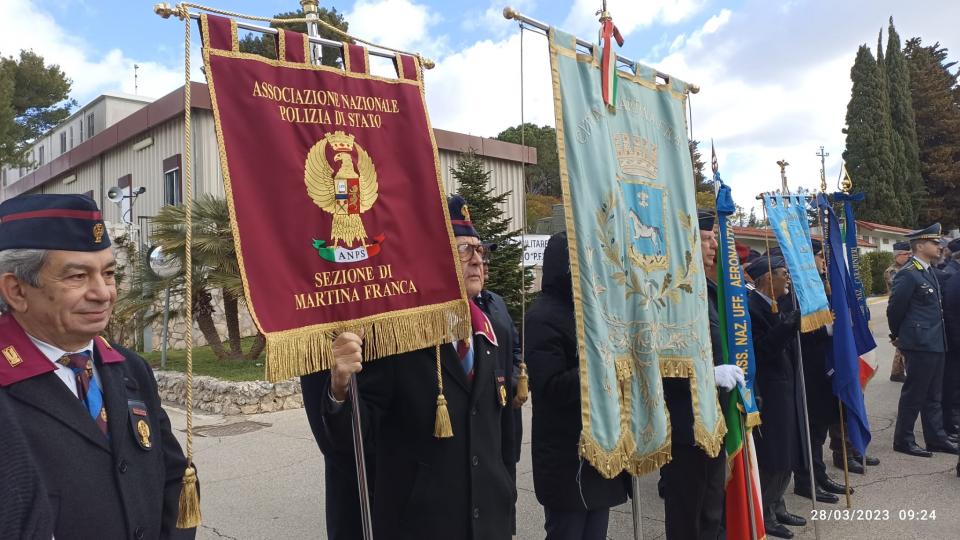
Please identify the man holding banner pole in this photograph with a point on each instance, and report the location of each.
(436, 481)
(693, 481)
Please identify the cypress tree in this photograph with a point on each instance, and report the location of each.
(936, 106)
(907, 181)
(868, 147)
(507, 275)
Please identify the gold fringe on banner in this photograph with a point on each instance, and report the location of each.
(813, 321)
(307, 350)
(753, 419)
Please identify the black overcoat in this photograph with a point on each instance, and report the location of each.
(778, 437)
(97, 487)
(24, 514)
(428, 488)
(562, 480)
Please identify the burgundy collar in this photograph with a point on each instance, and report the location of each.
(481, 324)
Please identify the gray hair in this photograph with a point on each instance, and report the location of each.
(25, 264)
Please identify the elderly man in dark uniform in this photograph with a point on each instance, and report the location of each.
(461, 487)
(822, 405)
(780, 404)
(901, 254)
(915, 317)
(89, 410)
(693, 481)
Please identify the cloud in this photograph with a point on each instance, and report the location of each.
(24, 26)
(630, 15)
(775, 82)
(477, 90)
(401, 24)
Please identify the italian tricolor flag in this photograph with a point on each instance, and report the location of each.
(740, 454)
(608, 59)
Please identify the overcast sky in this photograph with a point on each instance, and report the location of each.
(775, 76)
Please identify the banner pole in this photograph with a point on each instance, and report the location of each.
(846, 464)
(806, 424)
(637, 515)
(748, 476)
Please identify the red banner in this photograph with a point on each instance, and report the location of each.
(336, 203)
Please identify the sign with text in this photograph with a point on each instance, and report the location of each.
(533, 248)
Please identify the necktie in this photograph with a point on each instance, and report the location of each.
(87, 387)
(465, 351)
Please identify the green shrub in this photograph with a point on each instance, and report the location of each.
(873, 265)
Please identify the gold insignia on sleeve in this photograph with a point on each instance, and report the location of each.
(144, 430)
(13, 358)
(98, 231)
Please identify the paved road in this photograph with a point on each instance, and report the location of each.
(268, 484)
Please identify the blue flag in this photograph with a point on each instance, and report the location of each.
(733, 301)
(844, 358)
(853, 252)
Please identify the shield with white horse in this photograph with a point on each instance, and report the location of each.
(646, 205)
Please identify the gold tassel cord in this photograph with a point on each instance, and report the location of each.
(189, 516)
(442, 427)
(523, 387)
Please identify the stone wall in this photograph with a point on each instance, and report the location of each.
(230, 398)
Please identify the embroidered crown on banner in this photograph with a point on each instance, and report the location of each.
(340, 142)
(637, 156)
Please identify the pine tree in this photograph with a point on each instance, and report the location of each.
(907, 182)
(266, 44)
(507, 275)
(868, 152)
(936, 106)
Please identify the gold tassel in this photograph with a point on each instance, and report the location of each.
(442, 429)
(523, 386)
(773, 307)
(189, 517)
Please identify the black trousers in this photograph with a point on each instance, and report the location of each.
(818, 436)
(773, 484)
(693, 502)
(951, 391)
(921, 395)
(577, 524)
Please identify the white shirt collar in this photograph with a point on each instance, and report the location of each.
(765, 297)
(54, 353)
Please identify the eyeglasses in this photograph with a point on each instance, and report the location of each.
(466, 251)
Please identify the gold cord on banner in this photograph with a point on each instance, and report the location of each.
(442, 427)
(181, 11)
(189, 516)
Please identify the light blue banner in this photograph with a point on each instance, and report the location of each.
(639, 287)
(788, 219)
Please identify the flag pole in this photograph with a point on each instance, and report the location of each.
(310, 10)
(748, 476)
(637, 514)
(846, 464)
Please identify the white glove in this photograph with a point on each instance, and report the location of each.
(728, 376)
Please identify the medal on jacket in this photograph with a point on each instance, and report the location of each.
(140, 422)
(501, 388)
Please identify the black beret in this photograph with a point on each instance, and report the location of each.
(764, 264)
(460, 216)
(954, 245)
(901, 246)
(49, 221)
(706, 218)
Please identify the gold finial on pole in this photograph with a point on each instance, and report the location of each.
(846, 183)
(783, 174)
(510, 13)
(164, 10)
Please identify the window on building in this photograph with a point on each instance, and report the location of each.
(63, 142)
(172, 183)
(886, 241)
(41, 161)
(90, 125)
(81, 130)
(71, 137)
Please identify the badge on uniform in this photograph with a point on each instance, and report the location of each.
(140, 422)
(501, 387)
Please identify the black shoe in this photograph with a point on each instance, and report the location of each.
(953, 437)
(776, 529)
(792, 520)
(873, 461)
(958, 469)
(945, 447)
(828, 485)
(804, 491)
(912, 450)
(853, 465)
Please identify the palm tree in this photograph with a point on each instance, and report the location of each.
(215, 267)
